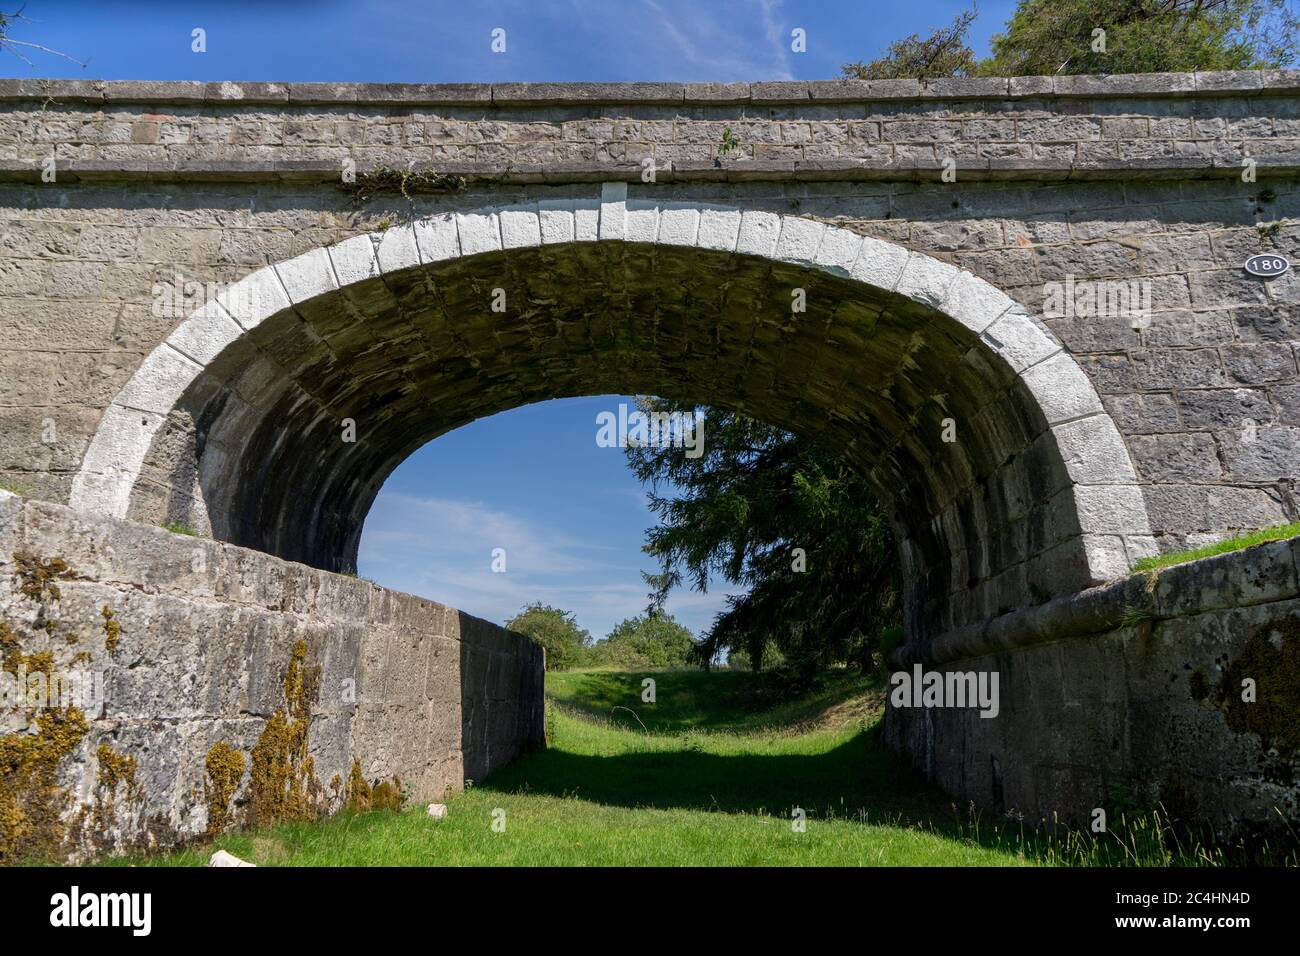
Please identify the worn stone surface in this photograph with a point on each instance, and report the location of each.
(1130, 696)
(406, 688)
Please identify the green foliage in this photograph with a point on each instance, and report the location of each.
(179, 527)
(771, 512)
(889, 640)
(651, 640)
(944, 52)
(1143, 36)
(1045, 37)
(556, 631)
(406, 182)
(739, 658)
(729, 143)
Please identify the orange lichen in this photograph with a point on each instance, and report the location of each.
(32, 804)
(284, 785)
(225, 767)
(112, 630)
(115, 770)
(36, 577)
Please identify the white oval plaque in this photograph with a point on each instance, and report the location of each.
(1267, 265)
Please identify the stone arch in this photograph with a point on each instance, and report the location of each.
(1036, 497)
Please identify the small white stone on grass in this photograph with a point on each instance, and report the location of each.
(222, 858)
(438, 810)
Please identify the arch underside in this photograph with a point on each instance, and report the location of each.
(1006, 481)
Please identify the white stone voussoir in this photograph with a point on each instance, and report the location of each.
(159, 382)
(307, 276)
(396, 249)
(436, 238)
(354, 260)
(254, 298)
(479, 232)
(520, 228)
(679, 225)
(1062, 389)
(1106, 497)
(759, 232)
(799, 240)
(642, 221)
(838, 251)
(205, 333)
(1018, 340)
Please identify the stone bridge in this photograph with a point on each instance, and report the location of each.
(1018, 306)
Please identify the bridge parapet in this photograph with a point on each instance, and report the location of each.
(1043, 128)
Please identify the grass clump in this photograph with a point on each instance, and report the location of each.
(1262, 536)
(407, 182)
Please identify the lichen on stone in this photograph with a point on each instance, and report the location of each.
(358, 793)
(386, 795)
(37, 576)
(115, 770)
(11, 650)
(284, 785)
(32, 804)
(112, 629)
(225, 769)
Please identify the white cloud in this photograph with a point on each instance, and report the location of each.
(441, 549)
(722, 42)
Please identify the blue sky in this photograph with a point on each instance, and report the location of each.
(533, 481)
(425, 41)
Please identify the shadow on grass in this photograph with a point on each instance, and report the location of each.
(857, 780)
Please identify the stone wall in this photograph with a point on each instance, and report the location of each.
(1118, 178)
(1130, 695)
(1166, 121)
(194, 640)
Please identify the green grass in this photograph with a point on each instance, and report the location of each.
(1264, 535)
(179, 527)
(723, 700)
(715, 783)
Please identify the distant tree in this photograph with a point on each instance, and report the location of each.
(944, 52)
(788, 520)
(738, 658)
(650, 640)
(556, 631)
(1144, 36)
(1104, 36)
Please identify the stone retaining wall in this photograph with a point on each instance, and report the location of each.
(194, 640)
(1131, 695)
